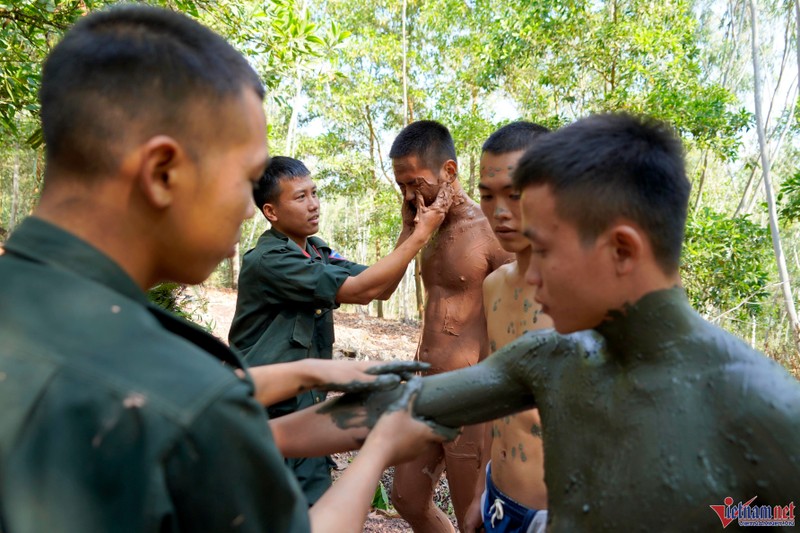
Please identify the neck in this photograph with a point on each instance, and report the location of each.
(103, 224)
(299, 241)
(640, 330)
(523, 261)
(463, 206)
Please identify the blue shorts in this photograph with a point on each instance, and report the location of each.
(501, 514)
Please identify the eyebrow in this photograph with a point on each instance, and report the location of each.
(482, 186)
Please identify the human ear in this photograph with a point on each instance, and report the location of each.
(627, 247)
(162, 161)
(450, 169)
(269, 212)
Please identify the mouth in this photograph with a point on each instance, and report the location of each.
(544, 306)
(504, 232)
(314, 219)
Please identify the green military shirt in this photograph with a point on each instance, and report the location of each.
(285, 302)
(117, 416)
(284, 313)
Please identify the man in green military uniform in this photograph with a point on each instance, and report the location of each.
(291, 282)
(116, 415)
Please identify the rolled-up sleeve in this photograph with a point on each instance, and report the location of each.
(289, 276)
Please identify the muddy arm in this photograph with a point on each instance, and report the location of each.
(491, 389)
(500, 385)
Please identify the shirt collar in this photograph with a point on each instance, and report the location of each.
(313, 244)
(43, 242)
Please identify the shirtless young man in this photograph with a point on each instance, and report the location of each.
(510, 495)
(656, 420)
(454, 264)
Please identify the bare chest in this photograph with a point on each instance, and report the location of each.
(458, 257)
(510, 314)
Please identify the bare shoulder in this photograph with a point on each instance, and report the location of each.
(496, 289)
(496, 279)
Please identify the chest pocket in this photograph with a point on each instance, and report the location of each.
(303, 330)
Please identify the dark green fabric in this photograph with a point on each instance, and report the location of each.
(284, 313)
(116, 415)
(313, 474)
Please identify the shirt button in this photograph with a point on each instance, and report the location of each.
(316, 399)
(318, 312)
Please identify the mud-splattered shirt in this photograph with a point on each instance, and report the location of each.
(117, 416)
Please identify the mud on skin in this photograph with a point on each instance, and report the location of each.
(672, 413)
(389, 375)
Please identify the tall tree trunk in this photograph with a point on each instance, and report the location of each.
(797, 23)
(378, 302)
(15, 200)
(741, 209)
(405, 67)
(292, 129)
(471, 183)
(404, 296)
(418, 285)
(408, 117)
(765, 169)
(702, 181)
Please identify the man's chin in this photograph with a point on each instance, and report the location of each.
(512, 246)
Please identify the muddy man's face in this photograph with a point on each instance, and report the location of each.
(412, 176)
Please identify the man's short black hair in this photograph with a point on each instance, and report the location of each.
(608, 166)
(428, 140)
(512, 137)
(280, 168)
(134, 71)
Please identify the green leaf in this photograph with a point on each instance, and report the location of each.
(380, 500)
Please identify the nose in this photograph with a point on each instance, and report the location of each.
(500, 212)
(532, 275)
(313, 205)
(410, 194)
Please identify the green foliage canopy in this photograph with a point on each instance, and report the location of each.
(726, 264)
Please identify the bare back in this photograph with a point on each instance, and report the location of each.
(517, 456)
(454, 265)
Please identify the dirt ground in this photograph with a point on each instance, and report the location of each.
(358, 337)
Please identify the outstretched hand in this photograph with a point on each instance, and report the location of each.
(350, 376)
(277, 382)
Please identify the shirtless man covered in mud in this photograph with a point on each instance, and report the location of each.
(510, 495)
(454, 264)
(656, 419)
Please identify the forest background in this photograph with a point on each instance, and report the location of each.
(344, 76)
